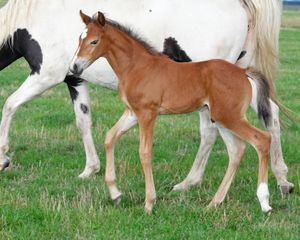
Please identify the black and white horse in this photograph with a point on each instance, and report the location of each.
(46, 33)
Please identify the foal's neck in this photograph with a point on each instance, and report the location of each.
(124, 52)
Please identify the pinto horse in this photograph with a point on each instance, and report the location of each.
(151, 84)
(45, 33)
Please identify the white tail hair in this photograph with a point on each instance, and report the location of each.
(12, 14)
(266, 22)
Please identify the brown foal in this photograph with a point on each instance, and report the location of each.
(151, 84)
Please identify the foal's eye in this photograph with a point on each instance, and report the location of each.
(94, 42)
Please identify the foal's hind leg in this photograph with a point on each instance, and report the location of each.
(208, 133)
(127, 121)
(261, 141)
(235, 148)
(32, 87)
(80, 96)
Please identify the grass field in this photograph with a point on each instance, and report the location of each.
(42, 198)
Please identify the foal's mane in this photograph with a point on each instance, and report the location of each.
(134, 35)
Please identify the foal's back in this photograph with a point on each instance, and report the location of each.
(186, 87)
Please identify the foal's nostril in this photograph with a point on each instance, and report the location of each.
(75, 68)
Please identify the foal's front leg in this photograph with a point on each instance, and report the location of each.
(127, 121)
(146, 122)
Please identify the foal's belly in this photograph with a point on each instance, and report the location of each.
(178, 106)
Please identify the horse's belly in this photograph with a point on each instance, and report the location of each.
(102, 74)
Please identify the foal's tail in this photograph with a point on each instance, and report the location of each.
(266, 21)
(264, 112)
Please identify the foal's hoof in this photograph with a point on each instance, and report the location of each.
(148, 208)
(117, 200)
(212, 204)
(286, 189)
(89, 171)
(149, 205)
(5, 164)
(179, 187)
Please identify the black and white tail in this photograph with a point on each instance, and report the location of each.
(261, 95)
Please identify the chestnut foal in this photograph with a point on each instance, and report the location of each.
(151, 84)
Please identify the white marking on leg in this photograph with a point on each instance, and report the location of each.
(263, 197)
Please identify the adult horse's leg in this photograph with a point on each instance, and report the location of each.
(235, 148)
(33, 86)
(80, 97)
(261, 51)
(208, 133)
(278, 165)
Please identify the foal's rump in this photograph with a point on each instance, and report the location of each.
(228, 82)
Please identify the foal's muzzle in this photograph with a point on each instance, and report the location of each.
(78, 67)
(76, 70)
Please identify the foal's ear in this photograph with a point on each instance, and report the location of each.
(85, 18)
(101, 19)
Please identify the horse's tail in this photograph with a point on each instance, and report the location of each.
(173, 50)
(266, 21)
(12, 14)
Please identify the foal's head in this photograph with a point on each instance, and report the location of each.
(90, 43)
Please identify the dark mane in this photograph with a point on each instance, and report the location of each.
(133, 35)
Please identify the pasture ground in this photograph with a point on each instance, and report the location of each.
(42, 198)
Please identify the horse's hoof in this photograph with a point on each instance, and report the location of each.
(117, 200)
(4, 165)
(88, 172)
(286, 189)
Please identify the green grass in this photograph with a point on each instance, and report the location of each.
(2, 2)
(42, 198)
(291, 19)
